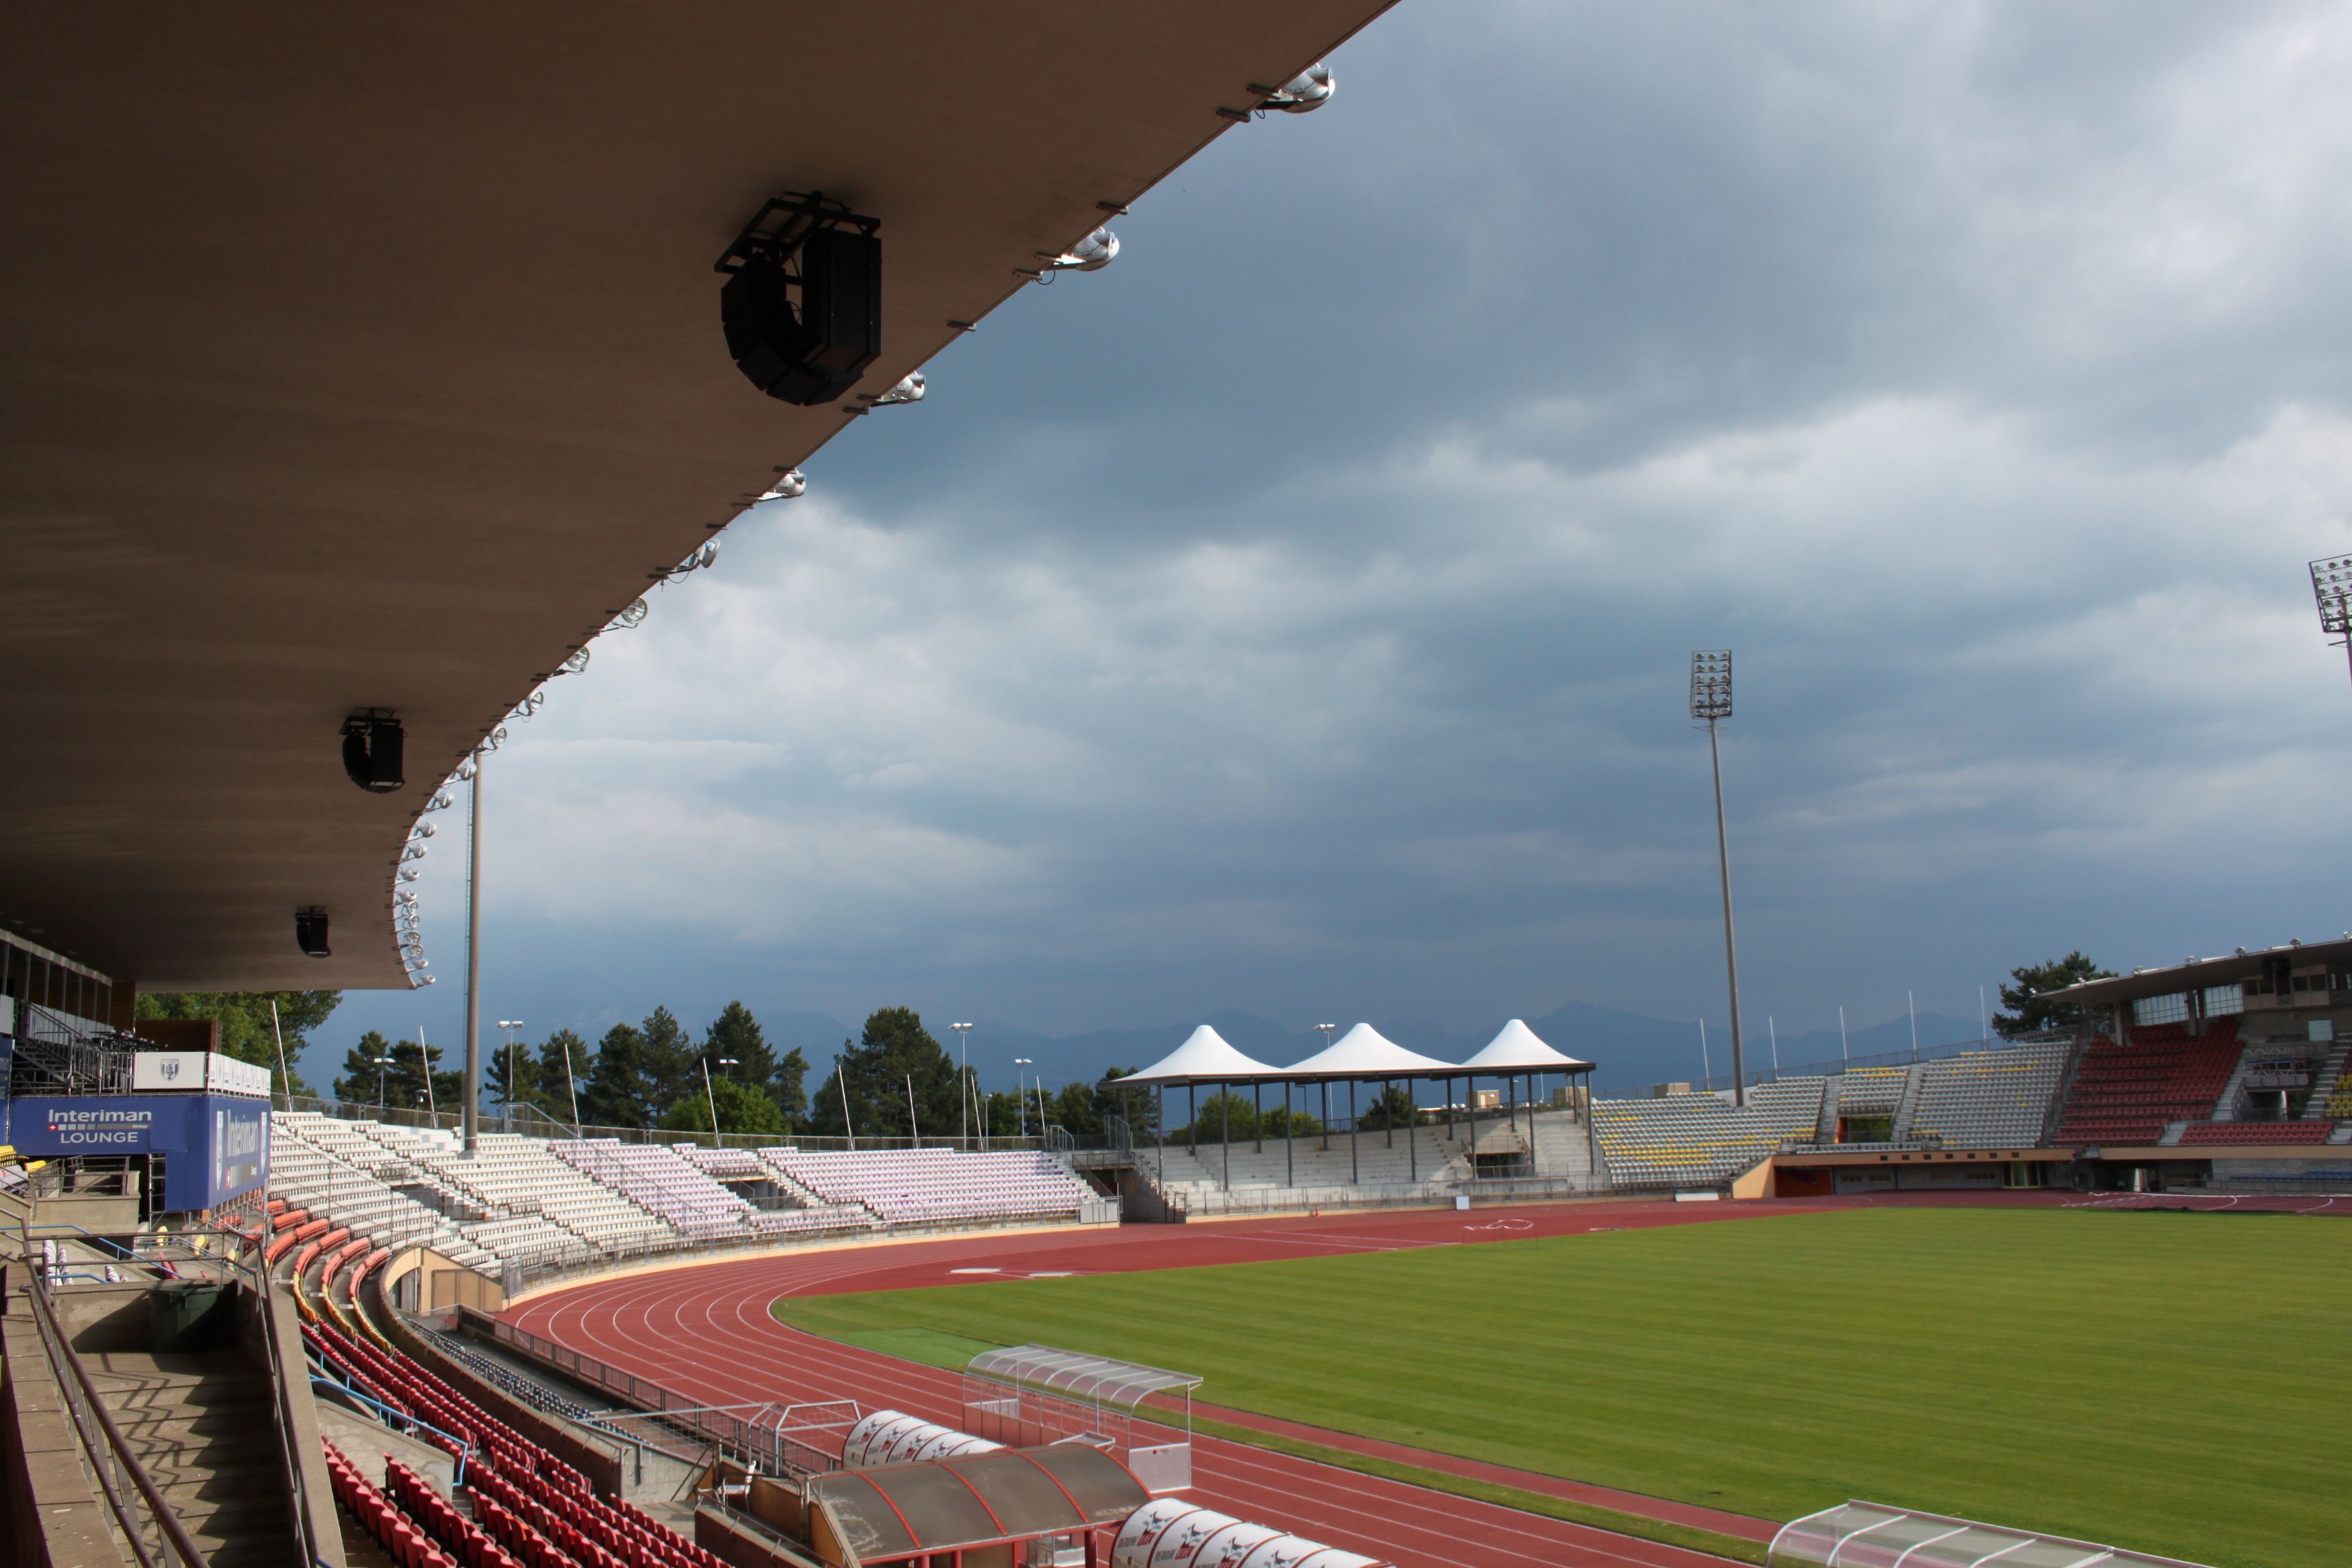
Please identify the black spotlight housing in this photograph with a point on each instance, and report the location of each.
(801, 307)
(373, 741)
(310, 933)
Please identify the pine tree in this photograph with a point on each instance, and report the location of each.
(563, 1060)
(735, 1035)
(672, 1066)
(788, 1087)
(2030, 1011)
(361, 1081)
(618, 1091)
(399, 1084)
(501, 1063)
(895, 1058)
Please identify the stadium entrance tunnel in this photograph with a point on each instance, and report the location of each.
(1876, 1535)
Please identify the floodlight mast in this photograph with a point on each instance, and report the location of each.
(1710, 699)
(470, 1122)
(2331, 586)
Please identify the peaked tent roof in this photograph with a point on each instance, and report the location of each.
(1364, 1052)
(1204, 1058)
(1520, 1049)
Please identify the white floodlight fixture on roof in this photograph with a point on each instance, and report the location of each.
(791, 485)
(1309, 90)
(907, 388)
(1092, 254)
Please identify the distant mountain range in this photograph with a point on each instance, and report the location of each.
(1631, 1051)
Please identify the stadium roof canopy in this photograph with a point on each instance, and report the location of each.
(371, 359)
(1875, 1535)
(1363, 1052)
(1518, 1049)
(1206, 1057)
(2246, 963)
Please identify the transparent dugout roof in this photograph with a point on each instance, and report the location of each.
(1073, 1374)
(1876, 1535)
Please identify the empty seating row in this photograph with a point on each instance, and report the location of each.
(2243, 1133)
(660, 1182)
(519, 1175)
(726, 1164)
(917, 1186)
(1700, 1140)
(303, 1166)
(1988, 1100)
(530, 1509)
(328, 1186)
(2127, 1090)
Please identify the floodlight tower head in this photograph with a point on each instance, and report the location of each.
(2331, 586)
(1710, 691)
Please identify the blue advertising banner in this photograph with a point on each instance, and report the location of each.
(215, 1146)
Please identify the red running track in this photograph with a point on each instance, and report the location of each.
(706, 1331)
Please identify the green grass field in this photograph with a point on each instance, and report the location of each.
(2175, 1383)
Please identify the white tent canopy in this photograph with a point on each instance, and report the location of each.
(1519, 1049)
(1206, 1057)
(1363, 1052)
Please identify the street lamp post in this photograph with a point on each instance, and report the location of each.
(1710, 701)
(380, 1063)
(1021, 1092)
(510, 1026)
(963, 1086)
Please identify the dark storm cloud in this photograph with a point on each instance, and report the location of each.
(1293, 617)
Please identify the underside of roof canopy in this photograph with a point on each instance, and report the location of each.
(371, 359)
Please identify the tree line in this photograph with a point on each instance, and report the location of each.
(894, 1080)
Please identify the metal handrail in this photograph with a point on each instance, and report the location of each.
(282, 1411)
(62, 1359)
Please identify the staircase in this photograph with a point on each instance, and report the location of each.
(2323, 1083)
(200, 1423)
(2225, 1108)
(1909, 1102)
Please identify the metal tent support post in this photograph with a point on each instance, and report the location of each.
(1257, 1112)
(1353, 1175)
(1289, 1139)
(1225, 1132)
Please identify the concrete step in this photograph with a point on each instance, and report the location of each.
(202, 1426)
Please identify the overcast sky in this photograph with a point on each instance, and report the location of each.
(1296, 615)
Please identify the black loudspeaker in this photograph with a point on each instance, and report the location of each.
(813, 352)
(310, 933)
(373, 744)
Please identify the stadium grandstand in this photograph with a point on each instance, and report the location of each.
(332, 330)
